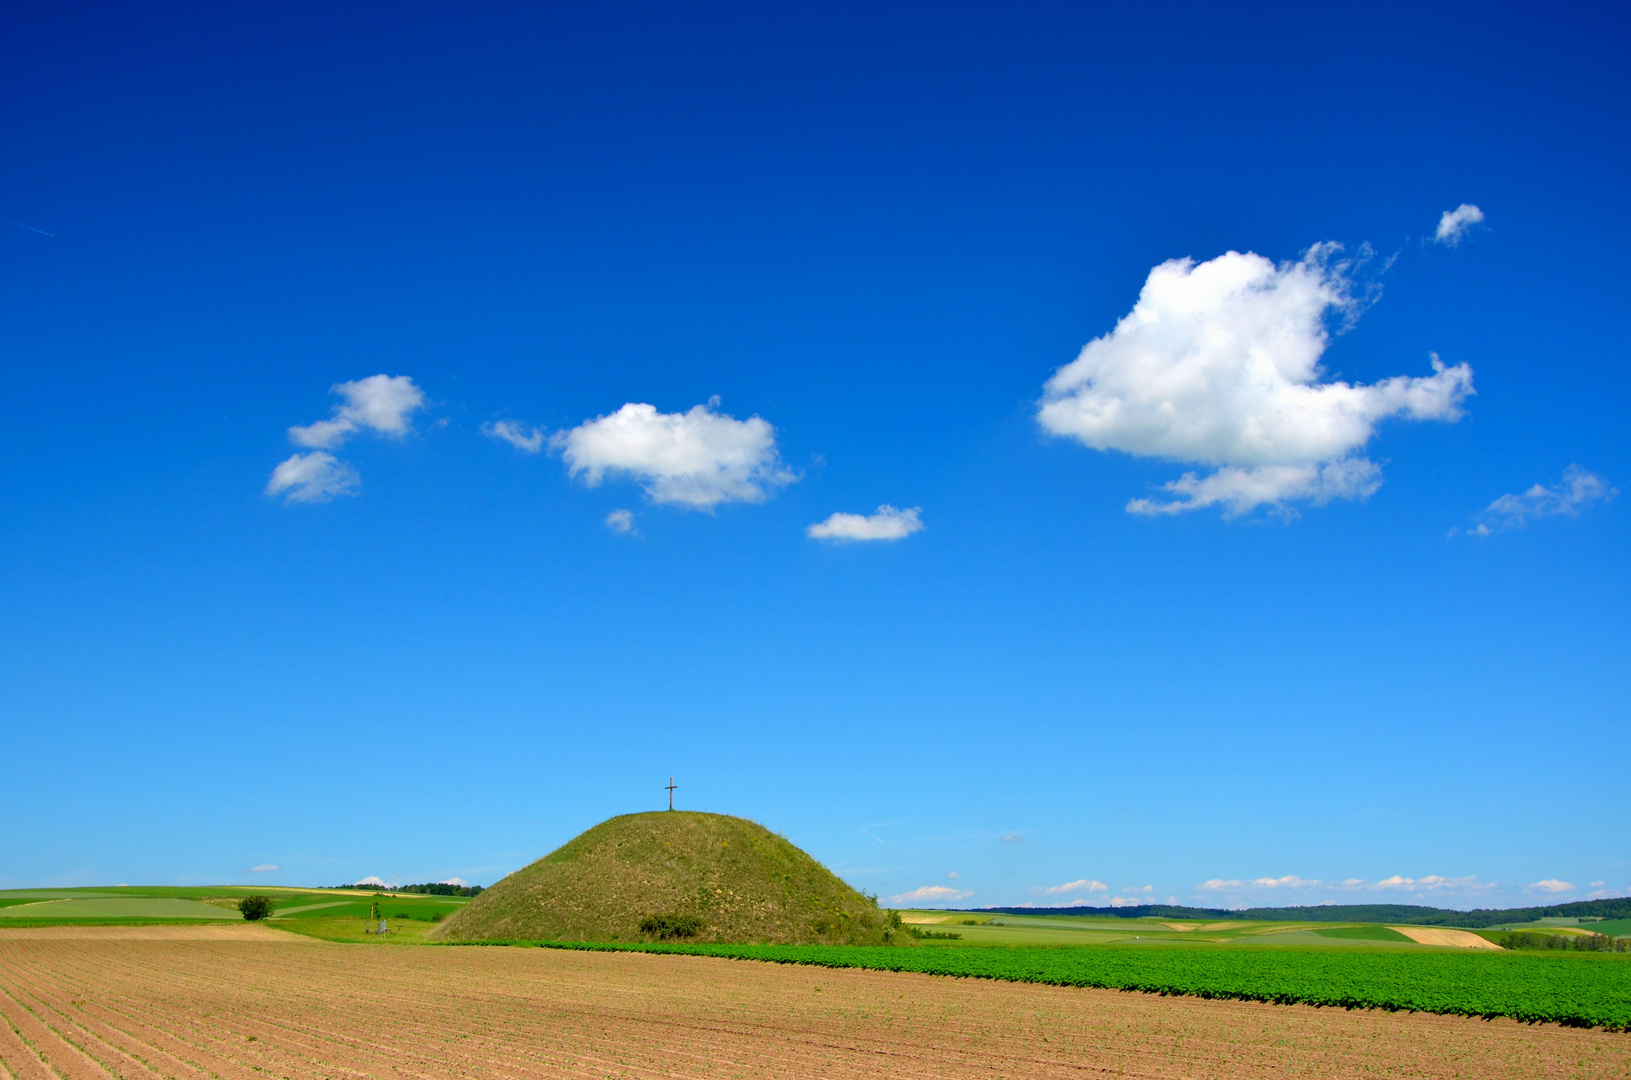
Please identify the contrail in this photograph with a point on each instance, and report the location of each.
(30, 228)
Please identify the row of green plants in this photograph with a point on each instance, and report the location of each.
(1575, 989)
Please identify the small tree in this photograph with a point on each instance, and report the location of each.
(255, 908)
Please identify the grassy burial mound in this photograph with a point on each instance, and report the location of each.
(674, 875)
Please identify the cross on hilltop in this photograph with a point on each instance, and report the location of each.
(670, 789)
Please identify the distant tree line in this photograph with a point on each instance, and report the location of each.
(1530, 939)
(1404, 914)
(434, 888)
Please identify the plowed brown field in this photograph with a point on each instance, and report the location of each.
(254, 1007)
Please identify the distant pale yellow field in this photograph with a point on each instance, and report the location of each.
(1434, 935)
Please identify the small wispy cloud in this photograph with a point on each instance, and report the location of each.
(932, 894)
(1453, 224)
(1013, 838)
(313, 477)
(954, 875)
(1578, 489)
(1550, 885)
(263, 868)
(1082, 885)
(620, 522)
(380, 403)
(529, 440)
(887, 524)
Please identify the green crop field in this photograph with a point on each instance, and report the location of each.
(1579, 990)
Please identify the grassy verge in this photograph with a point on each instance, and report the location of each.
(353, 930)
(1578, 990)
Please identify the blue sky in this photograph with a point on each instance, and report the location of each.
(416, 421)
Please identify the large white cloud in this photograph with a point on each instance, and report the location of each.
(887, 524)
(1218, 363)
(379, 403)
(315, 476)
(696, 459)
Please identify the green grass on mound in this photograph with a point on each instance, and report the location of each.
(1579, 989)
(709, 876)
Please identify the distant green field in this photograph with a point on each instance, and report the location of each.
(210, 903)
(115, 907)
(1363, 933)
(1577, 989)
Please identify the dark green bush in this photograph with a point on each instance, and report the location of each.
(255, 908)
(933, 935)
(668, 927)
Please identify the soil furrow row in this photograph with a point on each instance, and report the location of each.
(64, 1059)
(104, 1024)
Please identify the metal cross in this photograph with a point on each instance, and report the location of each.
(670, 790)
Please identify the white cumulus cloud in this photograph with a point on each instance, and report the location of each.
(1578, 488)
(379, 403)
(263, 868)
(1218, 363)
(1453, 224)
(372, 880)
(1082, 885)
(1290, 881)
(315, 476)
(696, 459)
(1432, 883)
(459, 881)
(528, 440)
(620, 521)
(1550, 885)
(932, 894)
(887, 524)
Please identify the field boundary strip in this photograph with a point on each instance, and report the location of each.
(1592, 992)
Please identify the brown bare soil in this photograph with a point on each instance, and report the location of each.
(90, 1007)
(244, 931)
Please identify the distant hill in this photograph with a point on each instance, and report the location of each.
(676, 873)
(1401, 914)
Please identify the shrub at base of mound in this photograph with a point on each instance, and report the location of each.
(675, 876)
(669, 927)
